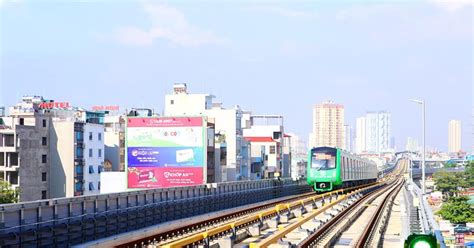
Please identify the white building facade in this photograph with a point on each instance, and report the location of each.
(77, 154)
(114, 142)
(94, 157)
(228, 124)
(233, 149)
(378, 132)
(299, 153)
(180, 103)
(412, 145)
(328, 125)
(454, 136)
(348, 137)
(266, 136)
(361, 135)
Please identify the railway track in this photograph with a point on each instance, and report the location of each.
(362, 224)
(242, 221)
(353, 217)
(307, 220)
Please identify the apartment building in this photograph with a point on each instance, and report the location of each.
(232, 148)
(328, 125)
(24, 149)
(77, 153)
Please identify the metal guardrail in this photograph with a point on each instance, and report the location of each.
(429, 223)
(76, 220)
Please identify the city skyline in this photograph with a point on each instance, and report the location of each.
(238, 62)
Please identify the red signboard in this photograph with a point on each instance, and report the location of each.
(52, 105)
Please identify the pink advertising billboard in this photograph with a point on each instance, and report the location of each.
(165, 152)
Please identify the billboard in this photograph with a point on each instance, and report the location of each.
(165, 152)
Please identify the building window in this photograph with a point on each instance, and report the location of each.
(90, 135)
(98, 185)
(44, 141)
(44, 123)
(91, 186)
(172, 102)
(22, 121)
(91, 169)
(100, 153)
(79, 136)
(79, 169)
(272, 149)
(43, 176)
(43, 194)
(90, 153)
(276, 135)
(79, 186)
(99, 136)
(79, 152)
(100, 168)
(44, 158)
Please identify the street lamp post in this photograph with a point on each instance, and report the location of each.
(423, 152)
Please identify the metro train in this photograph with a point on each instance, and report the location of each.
(333, 168)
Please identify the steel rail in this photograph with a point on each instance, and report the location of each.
(278, 208)
(374, 220)
(321, 231)
(275, 237)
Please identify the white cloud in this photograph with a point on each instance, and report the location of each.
(167, 23)
(133, 36)
(452, 5)
(285, 12)
(398, 24)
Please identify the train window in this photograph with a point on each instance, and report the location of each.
(348, 168)
(351, 168)
(342, 166)
(357, 169)
(323, 161)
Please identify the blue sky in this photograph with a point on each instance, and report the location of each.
(269, 57)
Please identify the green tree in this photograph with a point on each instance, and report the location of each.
(457, 210)
(449, 183)
(450, 165)
(469, 174)
(7, 194)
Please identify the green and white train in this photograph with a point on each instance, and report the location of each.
(333, 168)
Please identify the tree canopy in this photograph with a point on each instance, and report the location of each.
(7, 194)
(469, 174)
(457, 210)
(449, 183)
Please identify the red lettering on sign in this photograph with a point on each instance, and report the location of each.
(109, 108)
(51, 105)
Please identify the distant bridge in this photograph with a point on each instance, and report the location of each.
(429, 171)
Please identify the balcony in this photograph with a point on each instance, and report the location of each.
(79, 162)
(78, 177)
(7, 142)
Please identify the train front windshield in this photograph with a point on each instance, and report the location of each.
(323, 160)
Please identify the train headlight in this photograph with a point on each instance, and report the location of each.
(421, 244)
(421, 241)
